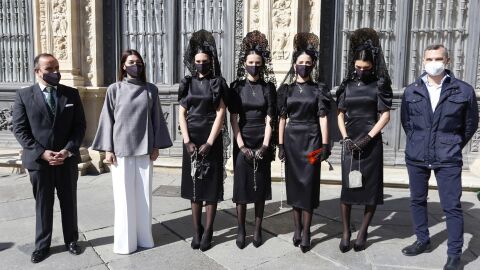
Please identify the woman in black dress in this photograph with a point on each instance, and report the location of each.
(364, 99)
(305, 102)
(201, 116)
(252, 107)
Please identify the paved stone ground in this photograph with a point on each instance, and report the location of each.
(389, 233)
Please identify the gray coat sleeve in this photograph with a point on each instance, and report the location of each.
(104, 138)
(161, 136)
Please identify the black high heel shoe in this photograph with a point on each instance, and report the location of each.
(344, 245)
(196, 239)
(296, 241)
(259, 241)
(240, 240)
(305, 244)
(206, 242)
(362, 245)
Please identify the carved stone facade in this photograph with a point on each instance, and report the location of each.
(87, 37)
(280, 20)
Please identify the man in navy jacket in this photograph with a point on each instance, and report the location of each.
(439, 114)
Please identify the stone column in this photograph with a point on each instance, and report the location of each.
(56, 32)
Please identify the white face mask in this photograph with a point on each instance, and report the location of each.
(434, 68)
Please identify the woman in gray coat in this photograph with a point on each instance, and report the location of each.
(131, 131)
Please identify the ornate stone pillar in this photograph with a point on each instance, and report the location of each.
(56, 32)
(280, 20)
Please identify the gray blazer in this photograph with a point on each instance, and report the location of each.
(131, 122)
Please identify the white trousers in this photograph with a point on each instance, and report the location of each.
(132, 193)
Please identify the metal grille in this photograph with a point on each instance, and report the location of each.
(428, 22)
(438, 21)
(16, 45)
(202, 14)
(143, 29)
(379, 15)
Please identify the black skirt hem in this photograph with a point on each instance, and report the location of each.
(251, 201)
(360, 203)
(202, 200)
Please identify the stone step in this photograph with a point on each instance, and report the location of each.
(394, 176)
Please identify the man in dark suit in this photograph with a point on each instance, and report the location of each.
(49, 123)
(439, 114)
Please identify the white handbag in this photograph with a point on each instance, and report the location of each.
(355, 176)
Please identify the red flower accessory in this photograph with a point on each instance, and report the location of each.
(313, 157)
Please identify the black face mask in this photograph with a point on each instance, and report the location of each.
(304, 70)
(364, 75)
(203, 68)
(134, 70)
(253, 70)
(52, 78)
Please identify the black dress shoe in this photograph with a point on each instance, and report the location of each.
(453, 263)
(296, 242)
(416, 248)
(305, 244)
(196, 239)
(40, 255)
(258, 241)
(240, 239)
(206, 242)
(344, 245)
(74, 248)
(360, 244)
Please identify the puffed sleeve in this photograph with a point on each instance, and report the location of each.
(161, 136)
(103, 140)
(340, 94)
(282, 100)
(324, 100)
(384, 95)
(271, 96)
(232, 97)
(218, 86)
(183, 91)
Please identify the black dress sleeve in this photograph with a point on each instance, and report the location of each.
(183, 91)
(233, 100)
(219, 87)
(340, 93)
(271, 97)
(384, 95)
(282, 94)
(324, 99)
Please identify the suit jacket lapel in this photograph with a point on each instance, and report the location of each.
(61, 101)
(39, 101)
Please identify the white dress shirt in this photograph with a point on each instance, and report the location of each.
(434, 91)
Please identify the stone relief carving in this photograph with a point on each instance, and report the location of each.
(59, 29)
(282, 13)
(43, 25)
(280, 50)
(254, 15)
(88, 33)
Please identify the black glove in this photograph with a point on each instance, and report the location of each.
(247, 152)
(191, 148)
(204, 149)
(350, 145)
(281, 152)
(261, 151)
(325, 151)
(362, 143)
